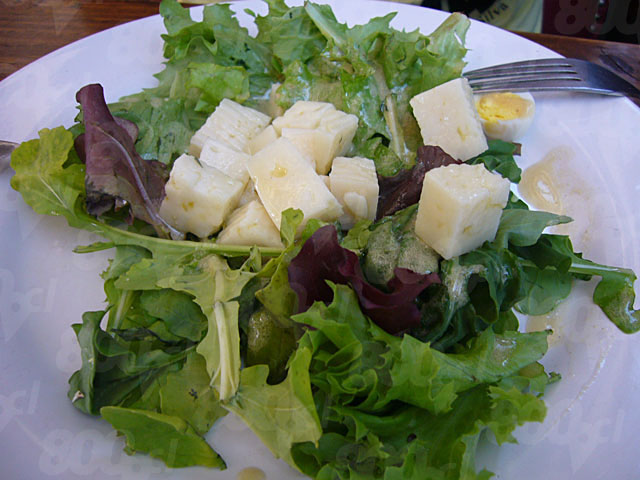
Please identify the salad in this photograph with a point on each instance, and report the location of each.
(354, 365)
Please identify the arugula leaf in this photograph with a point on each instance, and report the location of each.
(614, 293)
(177, 310)
(524, 227)
(166, 437)
(499, 158)
(117, 371)
(213, 284)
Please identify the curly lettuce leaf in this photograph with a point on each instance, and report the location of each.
(206, 62)
(393, 406)
(372, 71)
(47, 178)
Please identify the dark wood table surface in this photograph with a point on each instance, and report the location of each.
(30, 29)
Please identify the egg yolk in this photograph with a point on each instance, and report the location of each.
(495, 107)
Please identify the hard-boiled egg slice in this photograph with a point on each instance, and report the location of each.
(505, 115)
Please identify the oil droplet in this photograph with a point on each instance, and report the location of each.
(551, 321)
(278, 171)
(251, 473)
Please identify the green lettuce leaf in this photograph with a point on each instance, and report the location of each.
(45, 181)
(283, 414)
(393, 407)
(166, 437)
(188, 394)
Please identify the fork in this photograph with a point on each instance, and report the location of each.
(550, 74)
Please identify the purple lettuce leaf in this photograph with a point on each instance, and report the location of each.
(404, 189)
(116, 175)
(322, 258)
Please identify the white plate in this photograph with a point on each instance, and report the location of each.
(593, 418)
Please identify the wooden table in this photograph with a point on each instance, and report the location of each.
(30, 29)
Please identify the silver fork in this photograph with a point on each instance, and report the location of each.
(550, 74)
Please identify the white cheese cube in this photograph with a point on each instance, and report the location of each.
(229, 161)
(230, 123)
(284, 178)
(302, 114)
(250, 225)
(448, 118)
(262, 139)
(342, 126)
(313, 143)
(198, 198)
(460, 208)
(354, 183)
(318, 130)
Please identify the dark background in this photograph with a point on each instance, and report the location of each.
(613, 20)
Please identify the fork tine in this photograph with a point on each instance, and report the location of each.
(526, 64)
(521, 75)
(550, 74)
(537, 86)
(518, 79)
(524, 70)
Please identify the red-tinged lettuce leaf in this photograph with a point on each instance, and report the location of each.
(404, 189)
(116, 175)
(322, 258)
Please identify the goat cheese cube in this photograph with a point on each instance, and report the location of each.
(250, 225)
(460, 208)
(198, 198)
(284, 178)
(448, 118)
(354, 182)
(230, 123)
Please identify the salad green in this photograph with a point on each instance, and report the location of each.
(317, 365)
